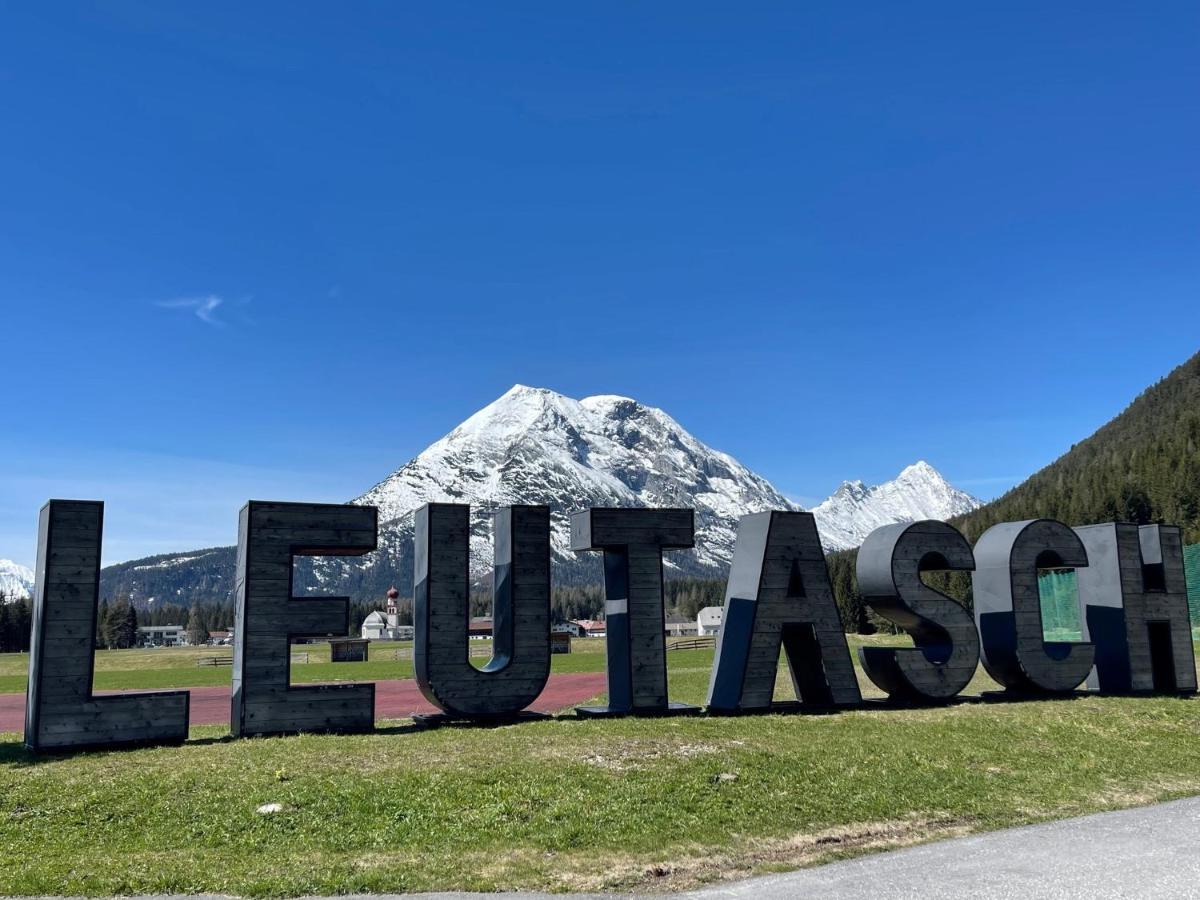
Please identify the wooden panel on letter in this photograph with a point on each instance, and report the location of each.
(779, 594)
(60, 709)
(520, 663)
(1008, 608)
(633, 541)
(270, 536)
(946, 651)
(1134, 595)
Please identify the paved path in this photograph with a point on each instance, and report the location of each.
(393, 700)
(1153, 852)
(1150, 853)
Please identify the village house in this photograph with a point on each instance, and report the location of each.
(591, 627)
(677, 626)
(708, 620)
(161, 636)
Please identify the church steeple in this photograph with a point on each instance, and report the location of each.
(393, 614)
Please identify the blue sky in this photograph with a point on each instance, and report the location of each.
(274, 250)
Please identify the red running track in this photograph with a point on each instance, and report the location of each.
(393, 700)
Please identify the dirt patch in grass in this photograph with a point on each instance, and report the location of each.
(757, 856)
(1119, 796)
(629, 755)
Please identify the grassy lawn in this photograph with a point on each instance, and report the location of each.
(176, 667)
(644, 804)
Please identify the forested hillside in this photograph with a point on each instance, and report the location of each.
(202, 576)
(1143, 467)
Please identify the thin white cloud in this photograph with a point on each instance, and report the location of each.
(204, 308)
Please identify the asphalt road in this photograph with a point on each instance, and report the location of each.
(1153, 852)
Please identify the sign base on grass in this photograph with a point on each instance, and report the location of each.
(439, 720)
(673, 708)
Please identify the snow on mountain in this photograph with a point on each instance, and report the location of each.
(533, 445)
(168, 562)
(536, 446)
(16, 581)
(919, 492)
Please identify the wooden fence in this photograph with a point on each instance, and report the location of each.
(697, 643)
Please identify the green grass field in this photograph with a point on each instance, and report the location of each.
(643, 804)
(176, 667)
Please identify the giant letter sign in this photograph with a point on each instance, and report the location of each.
(270, 536)
(779, 593)
(633, 541)
(890, 563)
(1008, 609)
(520, 662)
(60, 709)
(1134, 593)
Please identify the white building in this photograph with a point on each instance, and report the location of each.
(591, 627)
(678, 626)
(374, 626)
(708, 621)
(386, 626)
(161, 635)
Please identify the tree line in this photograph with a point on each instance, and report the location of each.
(16, 623)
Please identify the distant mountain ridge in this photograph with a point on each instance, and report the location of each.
(533, 445)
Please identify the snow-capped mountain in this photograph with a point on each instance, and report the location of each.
(919, 492)
(16, 581)
(533, 445)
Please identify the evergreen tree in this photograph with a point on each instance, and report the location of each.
(102, 625)
(404, 612)
(120, 625)
(8, 637)
(108, 626)
(21, 614)
(129, 627)
(197, 627)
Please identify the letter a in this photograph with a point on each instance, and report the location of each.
(779, 593)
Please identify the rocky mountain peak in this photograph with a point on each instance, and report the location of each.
(920, 491)
(534, 445)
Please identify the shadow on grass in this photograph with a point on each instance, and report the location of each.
(17, 755)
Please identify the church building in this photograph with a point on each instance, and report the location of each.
(386, 627)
